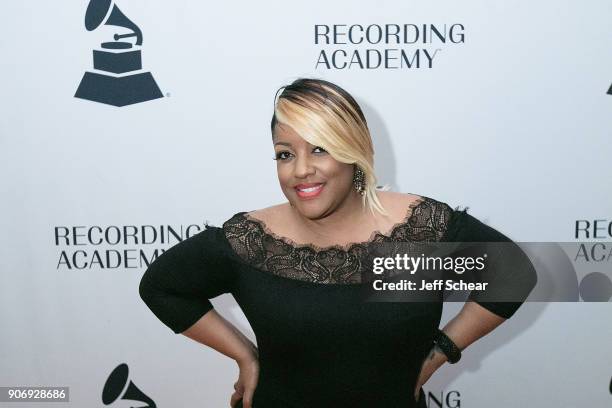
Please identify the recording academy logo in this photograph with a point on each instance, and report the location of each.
(383, 46)
(119, 387)
(118, 79)
(116, 247)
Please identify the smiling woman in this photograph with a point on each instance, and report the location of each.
(313, 181)
(295, 270)
(312, 115)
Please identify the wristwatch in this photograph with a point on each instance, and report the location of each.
(447, 346)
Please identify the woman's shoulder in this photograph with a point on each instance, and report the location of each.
(393, 200)
(267, 216)
(275, 211)
(457, 223)
(434, 214)
(206, 245)
(426, 217)
(399, 201)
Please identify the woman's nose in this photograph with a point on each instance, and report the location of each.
(303, 167)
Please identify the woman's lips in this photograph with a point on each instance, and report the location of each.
(309, 190)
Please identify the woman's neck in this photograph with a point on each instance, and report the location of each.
(346, 220)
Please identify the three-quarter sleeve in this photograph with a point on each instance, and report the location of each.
(178, 284)
(510, 275)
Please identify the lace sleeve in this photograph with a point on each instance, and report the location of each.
(510, 274)
(177, 286)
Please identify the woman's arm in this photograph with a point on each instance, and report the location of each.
(511, 276)
(214, 331)
(470, 324)
(177, 288)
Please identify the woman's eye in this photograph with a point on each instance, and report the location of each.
(282, 155)
(285, 155)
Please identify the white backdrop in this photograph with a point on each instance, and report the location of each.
(514, 122)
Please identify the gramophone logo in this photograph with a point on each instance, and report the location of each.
(118, 79)
(119, 387)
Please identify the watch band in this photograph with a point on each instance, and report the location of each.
(448, 347)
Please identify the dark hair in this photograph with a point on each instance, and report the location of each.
(302, 89)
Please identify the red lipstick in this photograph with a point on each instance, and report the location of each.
(309, 190)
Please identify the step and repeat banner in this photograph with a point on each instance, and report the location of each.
(129, 125)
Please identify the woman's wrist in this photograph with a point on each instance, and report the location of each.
(250, 354)
(447, 346)
(435, 358)
(438, 355)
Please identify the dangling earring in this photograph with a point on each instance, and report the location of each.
(359, 180)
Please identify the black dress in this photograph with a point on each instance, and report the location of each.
(319, 344)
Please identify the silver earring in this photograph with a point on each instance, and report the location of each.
(359, 180)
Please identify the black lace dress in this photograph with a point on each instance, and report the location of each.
(319, 344)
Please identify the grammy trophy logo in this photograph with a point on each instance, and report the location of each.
(119, 387)
(118, 79)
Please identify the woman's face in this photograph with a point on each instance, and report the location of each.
(312, 180)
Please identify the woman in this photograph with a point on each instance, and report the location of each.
(294, 269)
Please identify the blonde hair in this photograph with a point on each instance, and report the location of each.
(326, 115)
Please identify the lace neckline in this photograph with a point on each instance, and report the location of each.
(375, 236)
(252, 241)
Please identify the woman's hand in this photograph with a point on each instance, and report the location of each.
(432, 362)
(247, 382)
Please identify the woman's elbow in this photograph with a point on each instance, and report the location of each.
(147, 287)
